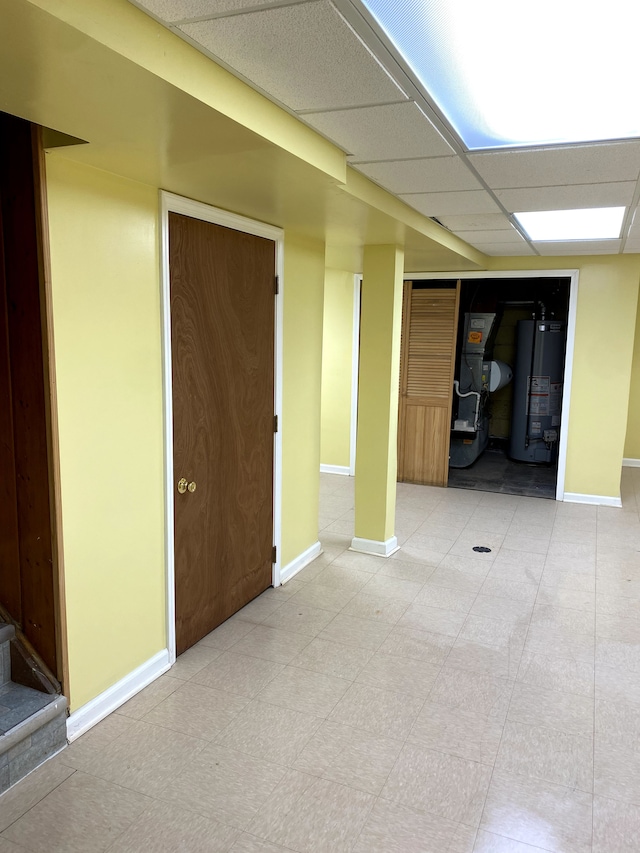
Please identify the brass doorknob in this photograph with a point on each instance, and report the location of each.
(182, 485)
(191, 487)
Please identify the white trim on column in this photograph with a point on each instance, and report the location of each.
(375, 546)
(573, 276)
(630, 463)
(300, 562)
(599, 500)
(197, 210)
(355, 367)
(97, 709)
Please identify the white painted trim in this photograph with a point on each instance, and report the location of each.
(97, 709)
(630, 463)
(573, 276)
(197, 210)
(335, 469)
(374, 546)
(300, 562)
(355, 370)
(599, 500)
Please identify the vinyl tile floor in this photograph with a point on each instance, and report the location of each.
(442, 700)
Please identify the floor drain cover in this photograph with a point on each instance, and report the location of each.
(482, 549)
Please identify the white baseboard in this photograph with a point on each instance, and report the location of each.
(631, 463)
(97, 709)
(300, 562)
(335, 469)
(599, 500)
(374, 546)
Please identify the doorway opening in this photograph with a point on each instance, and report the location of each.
(508, 385)
(485, 377)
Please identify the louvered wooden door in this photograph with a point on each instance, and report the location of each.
(427, 358)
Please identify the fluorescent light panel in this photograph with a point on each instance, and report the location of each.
(507, 73)
(594, 223)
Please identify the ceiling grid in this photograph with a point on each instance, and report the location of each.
(329, 63)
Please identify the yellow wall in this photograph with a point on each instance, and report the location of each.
(106, 310)
(632, 443)
(302, 369)
(603, 354)
(337, 353)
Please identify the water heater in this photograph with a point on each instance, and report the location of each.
(537, 390)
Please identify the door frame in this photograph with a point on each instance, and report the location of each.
(171, 203)
(573, 276)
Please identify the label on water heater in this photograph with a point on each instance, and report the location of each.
(539, 395)
(555, 398)
(474, 338)
(536, 426)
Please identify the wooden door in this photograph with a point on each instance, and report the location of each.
(222, 338)
(427, 360)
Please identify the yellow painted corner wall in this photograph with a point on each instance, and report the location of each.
(106, 312)
(632, 442)
(303, 287)
(337, 355)
(602, 362)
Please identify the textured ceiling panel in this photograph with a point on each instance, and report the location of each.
(180, 10)
(580, 247)
(574, 164)
(478, 222)
(501, 249)
(304, 56)
(475, 237)
(567, 198)
(632, 246)
(391, 132)
(441, 204)
(417, 176)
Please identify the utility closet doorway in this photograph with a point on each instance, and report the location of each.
(508, 384)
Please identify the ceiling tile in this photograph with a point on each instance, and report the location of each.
(501, 249)
(390, 132)
(180, 10)
(572, 164)
(478, 222)
(580, 247)
(305, 56)
(474, 237)
(417, 176)
(569, 197)
(632, 247)
(441, 204)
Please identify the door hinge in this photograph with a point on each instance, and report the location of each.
(275, 423)
(276, 285)
(274, 554)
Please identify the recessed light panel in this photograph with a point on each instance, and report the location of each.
(507, 74)
(594, 223)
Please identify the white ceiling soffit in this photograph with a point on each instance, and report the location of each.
(506, 249)
(389, 132)
(305, 56)
(327, 62)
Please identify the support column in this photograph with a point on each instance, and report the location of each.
(376, 450)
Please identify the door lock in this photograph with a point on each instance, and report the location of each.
(185, 486)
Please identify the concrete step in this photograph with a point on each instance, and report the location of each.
(33, 727)
(33, 723)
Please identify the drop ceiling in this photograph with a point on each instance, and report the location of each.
(327, 63)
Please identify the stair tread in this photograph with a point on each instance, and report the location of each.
(17, 703)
